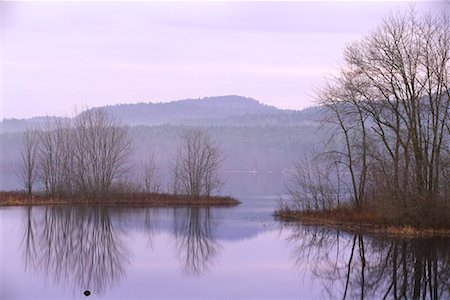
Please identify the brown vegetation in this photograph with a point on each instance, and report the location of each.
(128, 199)
(365, 220)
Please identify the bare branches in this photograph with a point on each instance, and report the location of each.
(101, 151)
(83, 156)
(149, 181)
(28, 155)
(197, 164)
(390, 109)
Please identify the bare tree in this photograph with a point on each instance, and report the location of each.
(55, 157)
(81, 156)
(149, 180)
(390, 108)
(101, 150)
(28, 155)
(312, 187)
(409, 70)
(347, 116)
(196, 170)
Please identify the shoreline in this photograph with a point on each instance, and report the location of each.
(8, 199)
(365, 222)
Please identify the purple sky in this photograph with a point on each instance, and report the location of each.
(60, 56)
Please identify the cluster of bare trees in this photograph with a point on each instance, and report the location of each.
(87, 156)
(82, 156)
(315, 185)
(390, 109)
(196, 169)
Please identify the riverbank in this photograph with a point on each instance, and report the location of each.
(351, 220)
(129, 199)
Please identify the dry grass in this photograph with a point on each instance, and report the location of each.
(131, 199)
(349, 219)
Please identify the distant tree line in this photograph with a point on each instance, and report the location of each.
(389, 108)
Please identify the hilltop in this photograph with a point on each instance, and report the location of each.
(229, 110)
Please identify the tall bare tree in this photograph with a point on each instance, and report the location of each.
(55, 159)
(28, 170)
(406, 65)
(390, 108)
(196, 170)
(101, 149)
(150, 183)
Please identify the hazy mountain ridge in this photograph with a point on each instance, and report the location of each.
(16, 125)
(221, 110)
(184, 111)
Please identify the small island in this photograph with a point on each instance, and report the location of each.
(86, 161)
(359, 221)
(138, 199)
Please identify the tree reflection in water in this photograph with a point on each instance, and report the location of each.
(195, 241)
(373, 267)
(75, 246)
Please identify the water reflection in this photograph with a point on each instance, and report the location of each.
(75, 246)
(84, 248)
(358, 266)
(195, 241)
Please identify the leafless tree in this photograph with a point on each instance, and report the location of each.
(28, 169)
(81, 156)
(55, 157)
(312, 186)
(149, 177)
(345, 113)
(390, 108)
(196, 170)
(101, 149)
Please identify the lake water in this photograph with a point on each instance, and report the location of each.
(229, 253)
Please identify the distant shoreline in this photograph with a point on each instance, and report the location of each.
(351, 220)
(129, 200)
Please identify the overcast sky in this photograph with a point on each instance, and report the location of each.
(59, 56)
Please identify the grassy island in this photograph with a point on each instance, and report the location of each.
(363, 220)
(128, 199)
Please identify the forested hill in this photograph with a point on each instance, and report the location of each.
(221, 110)
(183, 111)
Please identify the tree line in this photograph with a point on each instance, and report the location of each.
(89, 156)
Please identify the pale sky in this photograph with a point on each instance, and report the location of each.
(59, 56)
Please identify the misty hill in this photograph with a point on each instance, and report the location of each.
(16, 125)
(184, 111)
(221, 111)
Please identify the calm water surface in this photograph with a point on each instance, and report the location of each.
(229, 253)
